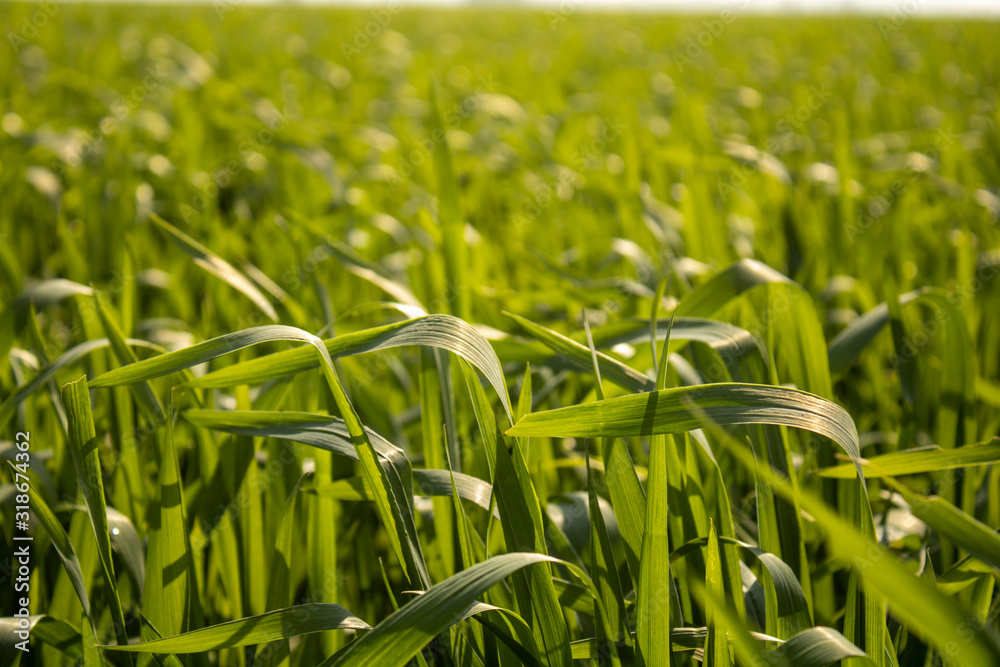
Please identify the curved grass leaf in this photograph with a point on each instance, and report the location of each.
(848, 344)
(742, 353)
(937, 619)
(580, 356)
(330, 433)
(322, 431)
(816, 647)
(51, 631)
(274, 625)
(788, 311)
(426, 482)
(706, 299)
(685, 409)
(394, 641)
(950, 522)
(392, 489)
(789, 594)
(199, 353)
(125, 355)
(441, 331)
(920, 460)
(14, 315)
(217, 266)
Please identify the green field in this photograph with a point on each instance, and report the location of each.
(583, 325)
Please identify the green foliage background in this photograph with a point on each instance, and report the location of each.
(607, 229)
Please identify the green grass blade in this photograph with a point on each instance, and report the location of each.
(217, 266)
(934, 616)
(143, 392)
(334, 435)
(628, 500)
(952, 523)
(168, 586)
(392, 493)
(579, 355)
(741, 352)
(605, 570)
(394, 641)
(653, 622)
(716, 644)
(523, 531)
(279, 593)
(449, 215)
(920, 460)
(125, 540)
(817, 647)
(271, 626)
(14, 315)
(86, 460)
(849, 343)
(683, 409)
(46, 629)
(91, 653)
(432, 423)
(440, 331)
(789, 595)
(171, 362)
(426, 482)
(706, 299)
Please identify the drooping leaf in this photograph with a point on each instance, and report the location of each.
(271, 626)
(217, 266)
(394, 641)
(684, 409)
(441, 331)
(920, 460)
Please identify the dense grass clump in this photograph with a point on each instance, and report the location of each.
(472, 338)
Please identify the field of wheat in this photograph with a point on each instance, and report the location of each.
(391, 336)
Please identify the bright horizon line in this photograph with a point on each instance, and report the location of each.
(918, 8)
